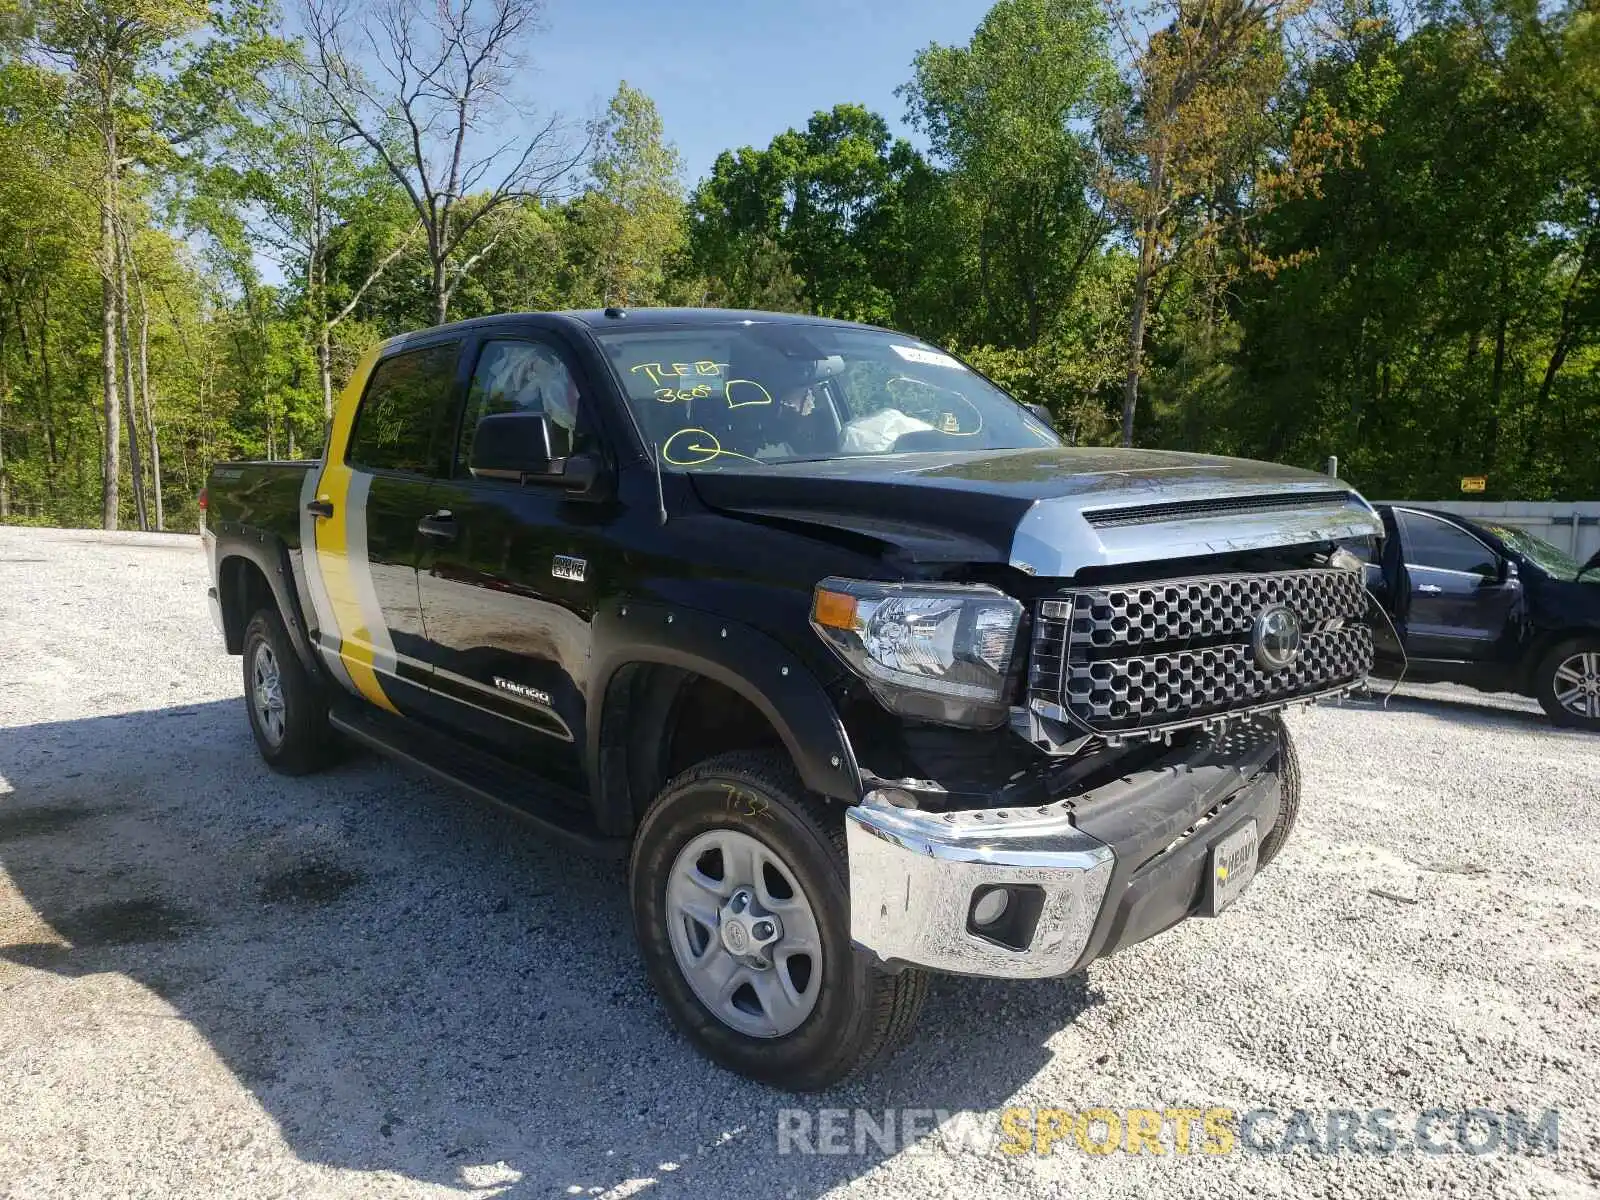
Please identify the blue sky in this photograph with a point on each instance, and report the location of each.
(727, 74)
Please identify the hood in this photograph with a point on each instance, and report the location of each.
(1049, 512)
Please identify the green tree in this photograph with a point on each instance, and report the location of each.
(1447, 324)
(628, 226)
(291, 187)
(1007, 116)
(831, 198)
(111, 51)
(1196, 117)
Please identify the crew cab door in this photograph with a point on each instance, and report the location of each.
(1458, 596)
(509, 572)
(363, 507)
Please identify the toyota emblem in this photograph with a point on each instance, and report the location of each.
(1276, 638)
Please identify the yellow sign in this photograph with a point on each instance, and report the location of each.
(1474, 483)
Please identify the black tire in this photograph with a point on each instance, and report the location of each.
(860, 1009)
(1288, 799)
(1544, 683)
(306, 742)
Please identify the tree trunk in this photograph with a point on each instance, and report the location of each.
(110, 468)
(317, 285)
(1563, 346)
(149, 408)
(441, 296)
(5, 388)
(130, 416)
(47, 395)
(1141, 301)
(1497, 380)
(325, 371)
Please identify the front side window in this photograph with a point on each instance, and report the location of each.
(523, 376)
(405, 398)
(1552, 560)
(721, 396)
(1431, 542)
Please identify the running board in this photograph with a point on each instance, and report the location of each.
(521, 793)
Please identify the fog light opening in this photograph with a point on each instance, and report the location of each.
(1006, 914)
(990, 906)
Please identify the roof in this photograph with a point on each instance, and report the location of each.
(601, 318)
(633, 318)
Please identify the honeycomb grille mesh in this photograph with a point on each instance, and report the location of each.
(1139, 656)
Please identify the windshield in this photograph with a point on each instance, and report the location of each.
(1550, 559)
(719, 396)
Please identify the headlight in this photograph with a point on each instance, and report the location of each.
(936, 652)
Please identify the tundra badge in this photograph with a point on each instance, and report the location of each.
(537, 695)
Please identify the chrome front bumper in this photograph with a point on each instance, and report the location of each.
(913, 875)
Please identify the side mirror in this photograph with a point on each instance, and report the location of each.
(529, 447)
(1043, 414)
(1509, 571)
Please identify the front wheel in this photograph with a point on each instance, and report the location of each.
(1567, 683)
(741, 904)
(1288, 798)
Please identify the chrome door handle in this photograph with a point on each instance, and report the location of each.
(1429, 589)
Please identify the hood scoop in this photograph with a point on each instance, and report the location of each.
(1188, 510)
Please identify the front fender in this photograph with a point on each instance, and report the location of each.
(740, 658)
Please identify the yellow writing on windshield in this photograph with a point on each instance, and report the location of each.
(696, 447)
(750, 391)
(668, 394)
(659, 373)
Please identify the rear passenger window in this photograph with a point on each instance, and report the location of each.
(405, 398)
(1431, 542)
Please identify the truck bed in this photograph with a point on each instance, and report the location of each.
(264, 495)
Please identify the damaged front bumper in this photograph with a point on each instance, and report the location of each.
(1081, 876)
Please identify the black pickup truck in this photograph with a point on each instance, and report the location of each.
(864, 672)
(1483, 603)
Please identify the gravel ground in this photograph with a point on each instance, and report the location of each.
(217, 982)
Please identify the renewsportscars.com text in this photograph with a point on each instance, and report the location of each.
(1169, 1130)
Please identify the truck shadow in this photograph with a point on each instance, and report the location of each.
(1459, 706)
(407, 982)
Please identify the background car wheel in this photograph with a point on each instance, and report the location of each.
(1288, 798)
(741, 905)
(1567, 683)
(288, 711)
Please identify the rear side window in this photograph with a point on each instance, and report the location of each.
(405, 398)
(1431, 542)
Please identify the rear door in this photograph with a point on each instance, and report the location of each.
(1458, 603)
(383, 461)
(509, 571)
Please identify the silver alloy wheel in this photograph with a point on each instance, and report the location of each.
(1577, 684)
(744, 933)
(266, 693)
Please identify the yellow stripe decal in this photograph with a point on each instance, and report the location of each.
(339, 571)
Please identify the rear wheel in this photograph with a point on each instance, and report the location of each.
(1567, 683)
(288, 710)
(741, 905)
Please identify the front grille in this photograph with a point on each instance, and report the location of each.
(1123, 658)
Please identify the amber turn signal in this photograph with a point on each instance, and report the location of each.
(835, 610)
